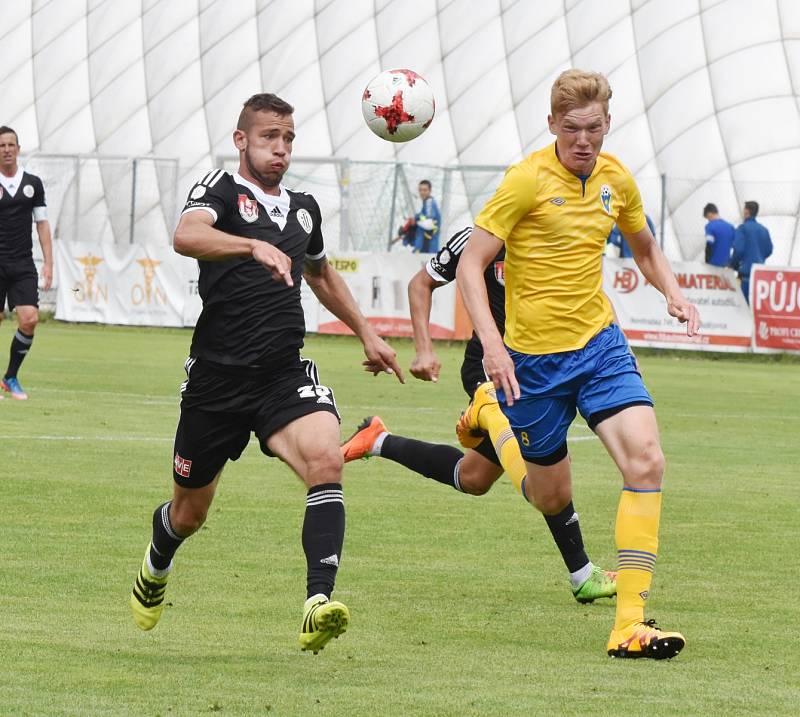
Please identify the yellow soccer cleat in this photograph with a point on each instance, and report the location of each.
(322, 620)
(147, 597)
(645, 639)
(468, 430)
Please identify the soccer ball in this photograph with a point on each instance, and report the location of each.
(398, 105)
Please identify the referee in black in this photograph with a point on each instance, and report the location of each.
(255, 242)
(21, 197)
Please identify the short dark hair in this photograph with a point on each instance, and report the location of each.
(752, 207)
(426, 182)
(7, 130)
(263, 102)
(710, 208)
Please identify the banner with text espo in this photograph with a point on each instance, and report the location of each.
(642, 310)
(379, 283)
(775, 301)
(132, 285)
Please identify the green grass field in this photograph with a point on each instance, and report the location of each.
(460, 604)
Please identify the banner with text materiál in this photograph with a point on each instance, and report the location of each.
(642, 310)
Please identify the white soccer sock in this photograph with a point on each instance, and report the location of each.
(579, 577)
(376, 447)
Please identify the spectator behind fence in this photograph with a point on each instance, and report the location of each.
(428, 221)
(719, 237)
(751, 245)
(615, 237)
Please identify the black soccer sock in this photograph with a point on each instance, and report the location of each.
(433, 460)
(323, 536)
(20, 345)
(165, 540)
(566, 532)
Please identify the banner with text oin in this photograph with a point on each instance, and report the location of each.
(132, 285)
(642, 311)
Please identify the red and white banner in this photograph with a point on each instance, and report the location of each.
(775, 301)
(642, 310)
(379, 283)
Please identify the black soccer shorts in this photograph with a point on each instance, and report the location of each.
(219, 411)
(472, 376)
(19, 283)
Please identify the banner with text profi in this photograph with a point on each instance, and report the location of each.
(775, 301)
(642, 310)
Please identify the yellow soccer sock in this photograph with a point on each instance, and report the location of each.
(492, 420)
(637, 545)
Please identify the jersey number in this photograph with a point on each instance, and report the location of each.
(313, 391)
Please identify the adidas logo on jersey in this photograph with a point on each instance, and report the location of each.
(275, 212)
(331, 560)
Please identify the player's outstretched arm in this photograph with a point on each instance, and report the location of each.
(46, 242)
(196, 237)
(335, 296)
(479, 252)
(426, 364)
(656, 269)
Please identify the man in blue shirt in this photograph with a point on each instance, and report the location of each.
(616, 238)
(719, 237)
(428, 221)
(751, 245)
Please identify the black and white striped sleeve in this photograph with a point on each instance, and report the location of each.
(442, 267)
(208, 195)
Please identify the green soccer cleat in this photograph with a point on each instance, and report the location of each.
(600, 584)
(147, 597)
(322, 620)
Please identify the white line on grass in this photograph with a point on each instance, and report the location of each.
(152, 439)
(136, 439)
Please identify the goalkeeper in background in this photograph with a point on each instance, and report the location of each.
(491, 446)
(428, 221)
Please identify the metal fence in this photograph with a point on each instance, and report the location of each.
(138, 199)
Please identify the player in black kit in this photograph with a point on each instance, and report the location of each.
(21, 197)
(255, 240)
(483, 429)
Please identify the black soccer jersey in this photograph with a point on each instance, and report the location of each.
(249, 318)
(16, 215)
(442, 267)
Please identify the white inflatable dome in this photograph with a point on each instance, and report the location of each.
(705, 91)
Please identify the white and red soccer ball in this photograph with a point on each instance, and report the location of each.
(398, 105)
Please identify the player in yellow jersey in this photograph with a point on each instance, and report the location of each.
(562, 351)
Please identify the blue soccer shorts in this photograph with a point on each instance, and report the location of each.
(598, 380)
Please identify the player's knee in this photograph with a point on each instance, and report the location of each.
(647, 469)
(27, 323)
(325, 466)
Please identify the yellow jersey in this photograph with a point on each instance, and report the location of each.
(555, 226)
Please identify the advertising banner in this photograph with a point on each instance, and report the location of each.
(775, 301)
(642, 312)
(379, 283)
(132, 285)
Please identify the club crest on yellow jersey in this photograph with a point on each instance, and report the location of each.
(605, 198)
